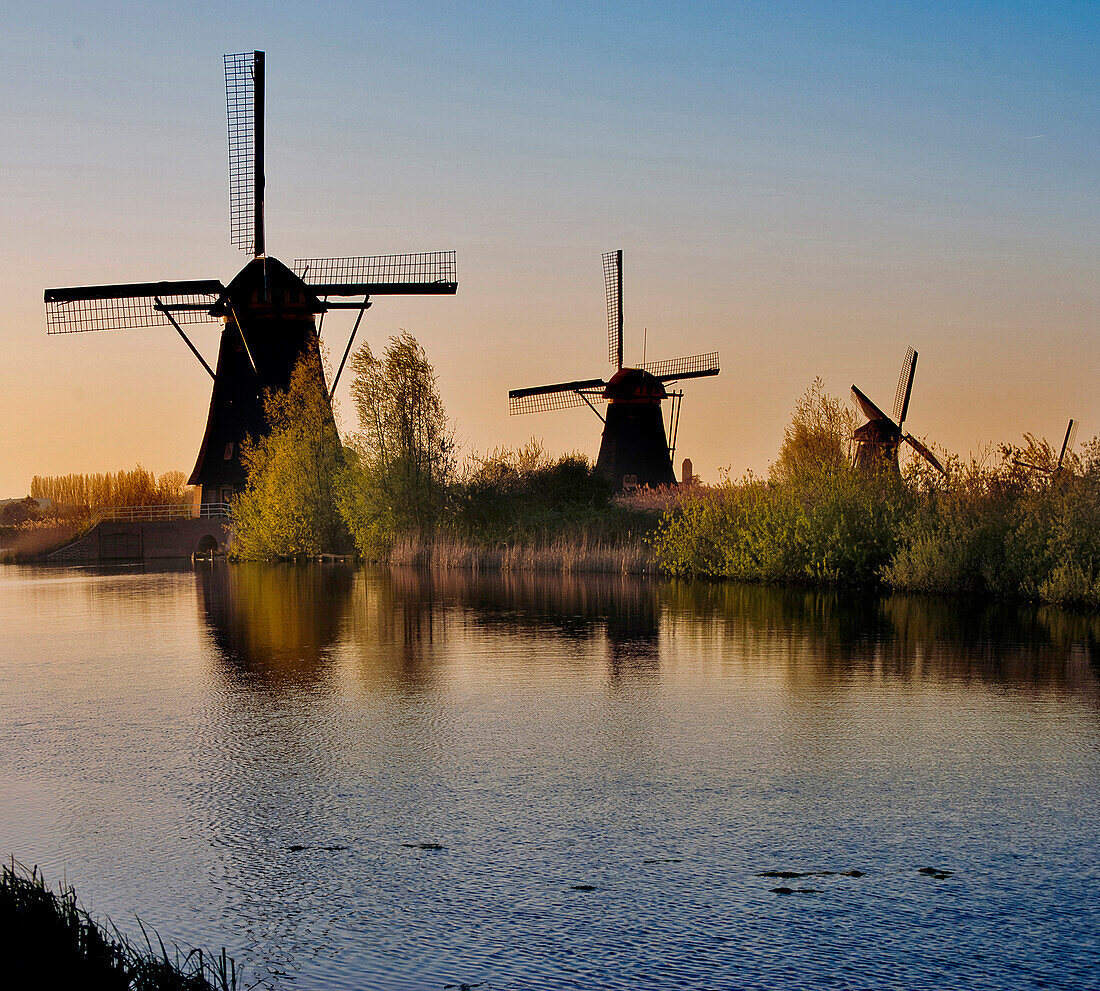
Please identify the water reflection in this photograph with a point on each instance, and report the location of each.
(823, 637)
(274, 623)
(284, 624)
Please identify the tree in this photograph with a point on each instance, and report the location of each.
(288, 507)
(817, 437)
(403, 452)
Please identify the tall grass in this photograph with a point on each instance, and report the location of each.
(561, 555)
(48, 940)
(32, 540)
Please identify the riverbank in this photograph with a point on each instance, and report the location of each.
(48, 940)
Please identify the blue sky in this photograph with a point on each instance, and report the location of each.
(808, 188)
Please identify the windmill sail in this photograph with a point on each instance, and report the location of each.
(613, 291)
(419, 273)
(121, 307)
(869, 409)
(905, 386)
(244, 86)
(1067, 443)
(561, 396)
(695, 366)
(925, 453)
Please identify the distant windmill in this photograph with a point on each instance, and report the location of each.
(1067, 444)
(634, 449)
(878, 440)
(268, 311)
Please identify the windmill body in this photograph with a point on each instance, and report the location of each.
(270, 325)
(634, 444)
(877, 442)
(269, 312)
(635, 449)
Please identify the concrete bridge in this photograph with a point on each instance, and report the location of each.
(132, 538)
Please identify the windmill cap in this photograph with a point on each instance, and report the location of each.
(634, 385)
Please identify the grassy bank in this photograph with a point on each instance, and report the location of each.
(49, 941)
(993, 529)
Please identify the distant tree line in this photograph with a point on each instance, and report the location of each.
(133, 487)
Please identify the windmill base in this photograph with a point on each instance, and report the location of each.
(634, 450)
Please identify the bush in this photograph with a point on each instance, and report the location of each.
(1006, 531)
(832, 526)
(523, 495)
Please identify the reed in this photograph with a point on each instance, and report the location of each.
(32, 540)
(50, 941)
(562, 555)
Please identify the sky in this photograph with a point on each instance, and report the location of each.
(808, 188)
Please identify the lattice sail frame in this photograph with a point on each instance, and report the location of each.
(903, 385)
(541, 402)
(613, 292)
(689, 367)
(240, 96)
(127, 313)
(416, 268)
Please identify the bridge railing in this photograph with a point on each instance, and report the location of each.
(153, 514)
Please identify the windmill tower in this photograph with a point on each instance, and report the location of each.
(1067, 444)
(269, 312)
(635, 449)
(878, 440)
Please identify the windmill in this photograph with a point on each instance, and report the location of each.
(1067, 444)
(878, 440)
(634, 449)
(268, 311)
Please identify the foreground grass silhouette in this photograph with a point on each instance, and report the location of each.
(47, 940)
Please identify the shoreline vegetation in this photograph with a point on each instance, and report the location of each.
(1008, 523)
(50, 941)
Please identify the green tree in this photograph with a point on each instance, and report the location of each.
(817, 437)
(402, 460)
(289, 504)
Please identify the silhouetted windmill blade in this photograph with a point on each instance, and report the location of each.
(561, 396)
(244, 94)
(79, 309)
(613, 291)
(417, 273)
(870, 410)
(695, 366)
(1067, 443)
(925, 453)
(905, 386)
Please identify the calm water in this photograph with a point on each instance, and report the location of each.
(361, 780)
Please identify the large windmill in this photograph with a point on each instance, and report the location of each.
(878, 440)
(1067, 444)
(635, 449)
(269, 312)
